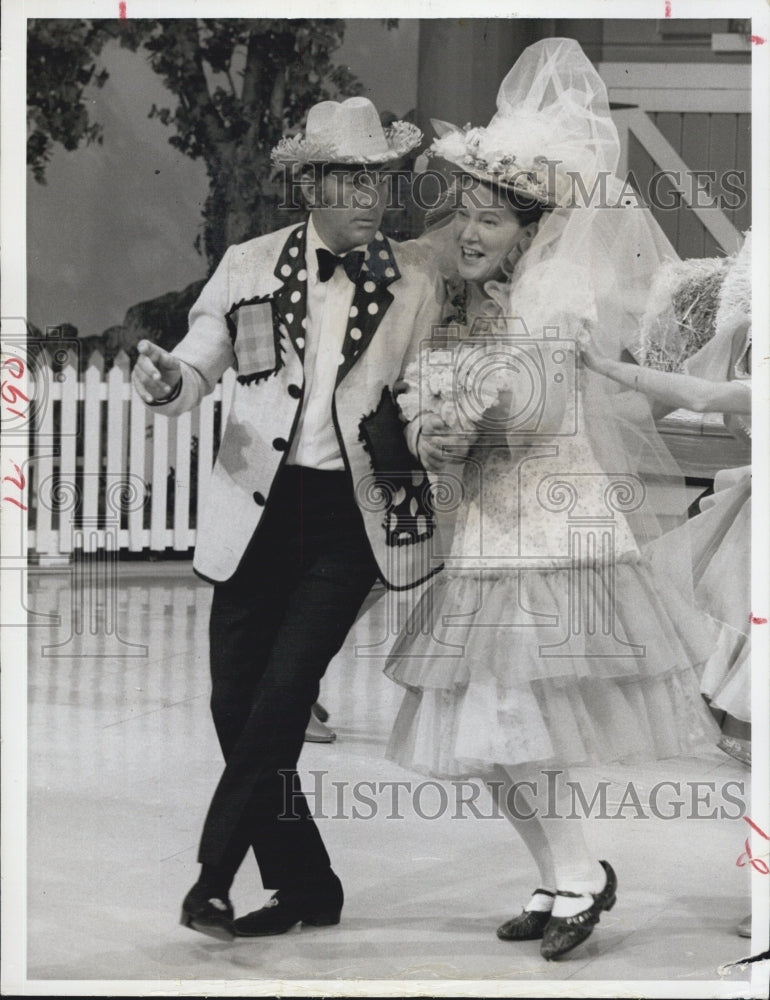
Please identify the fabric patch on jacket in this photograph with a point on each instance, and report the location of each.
(398, 478)
(256, 339)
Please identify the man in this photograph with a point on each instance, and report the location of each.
(314, 493)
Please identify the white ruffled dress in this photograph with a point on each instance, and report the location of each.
(547, 638)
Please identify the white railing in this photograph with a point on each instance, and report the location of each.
(119, 475)
(640, 90)
(636, 122)
(109, 474)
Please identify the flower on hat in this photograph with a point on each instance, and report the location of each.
(486, 154)
(295, 148)
(403, 136)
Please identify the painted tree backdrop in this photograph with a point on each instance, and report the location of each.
(238, 83)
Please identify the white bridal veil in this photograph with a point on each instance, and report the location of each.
(589, 269)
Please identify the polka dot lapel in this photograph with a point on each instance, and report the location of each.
(291, 298)
(370, 302)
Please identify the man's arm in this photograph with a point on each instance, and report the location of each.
(157, 374)
(176, 381)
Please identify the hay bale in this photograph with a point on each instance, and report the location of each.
(681, 315)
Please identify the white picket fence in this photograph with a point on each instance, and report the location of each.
(118, 475)
(109, 474)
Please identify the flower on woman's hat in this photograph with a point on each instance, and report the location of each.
(486, 155)
(552, 129)
(347, 132)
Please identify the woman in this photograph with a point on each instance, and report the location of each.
(716, 379)
(550, 641)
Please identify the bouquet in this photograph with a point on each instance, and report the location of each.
(459, 384)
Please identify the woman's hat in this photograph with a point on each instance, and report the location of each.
(347, 132)
(552, 135)
(482, 155)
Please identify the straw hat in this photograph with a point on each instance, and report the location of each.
(552, 125)
(347, 132)
(480, 153)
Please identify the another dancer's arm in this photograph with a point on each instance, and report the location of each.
(674, 389)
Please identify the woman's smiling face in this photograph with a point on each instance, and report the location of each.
(485, 231)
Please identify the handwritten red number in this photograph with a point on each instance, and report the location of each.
(747, 857)
(9, 393)
(17, 363)
(12, 394)
(13, 500)
(19, 483)
(754, 826)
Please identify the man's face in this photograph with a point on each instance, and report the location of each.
(347, 206)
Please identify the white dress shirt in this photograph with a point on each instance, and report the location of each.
(315, 443)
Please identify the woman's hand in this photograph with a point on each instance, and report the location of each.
(400, 386)
(430, 449)
(156, 373)
(497, 416)
(592, 359)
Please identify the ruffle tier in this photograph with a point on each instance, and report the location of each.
(570, 666)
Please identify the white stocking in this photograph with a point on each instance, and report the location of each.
(537, 805)
(519, 808)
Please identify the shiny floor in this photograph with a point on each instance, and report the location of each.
(123, 759)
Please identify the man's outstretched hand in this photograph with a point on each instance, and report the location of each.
(156, 373)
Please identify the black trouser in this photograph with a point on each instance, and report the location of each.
(275, 625)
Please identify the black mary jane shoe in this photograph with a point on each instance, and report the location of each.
(317, 731)
(528, 925)
(210, 914)
(562, 934)
(285, 909)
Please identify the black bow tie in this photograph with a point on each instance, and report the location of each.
(327, 263)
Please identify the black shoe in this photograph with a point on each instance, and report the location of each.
(528, 925)
(320, 712)
(288, 907)
(208, 913)
(565, 933)
(318, 732)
